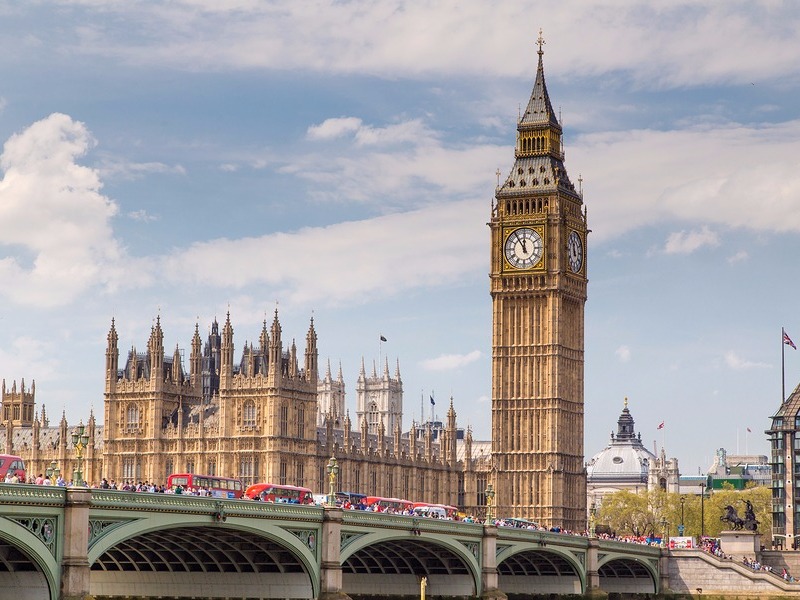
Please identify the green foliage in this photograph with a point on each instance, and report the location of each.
(655, 512)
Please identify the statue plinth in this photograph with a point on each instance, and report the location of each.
(740, 544)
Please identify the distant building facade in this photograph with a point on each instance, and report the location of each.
(626, 464)
(784, 439)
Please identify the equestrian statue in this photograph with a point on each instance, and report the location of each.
(749, 523)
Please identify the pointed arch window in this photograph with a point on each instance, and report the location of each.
(373, 418)
(301, 422)
(249, 414)
(283, 423)
(133, 417)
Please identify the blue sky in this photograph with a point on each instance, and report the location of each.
(338, 158)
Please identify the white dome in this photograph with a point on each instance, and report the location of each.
(624, 460)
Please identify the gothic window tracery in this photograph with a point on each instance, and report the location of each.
(249, 414)
(283, 422)
(133, 417)
(373, 417)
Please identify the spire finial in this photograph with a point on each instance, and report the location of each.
(626, 402)
(540, 42)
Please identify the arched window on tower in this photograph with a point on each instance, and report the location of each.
(301, 422)
(132, 418)
(373, 418)
(249, 414)
(283, 423)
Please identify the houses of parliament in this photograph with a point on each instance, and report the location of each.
(271, 412)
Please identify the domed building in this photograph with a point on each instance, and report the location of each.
(625, 464)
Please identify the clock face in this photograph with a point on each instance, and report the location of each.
(575, 252)
(524, 248)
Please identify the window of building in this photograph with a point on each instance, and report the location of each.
(301, 473)
(283, 421)
(170, 467)
(373, 482)
(373, 418)
(190, 466)
(212, 467)
(282, 473)
(249, 414)
(301, 422)
(482, 484)
(132, 418)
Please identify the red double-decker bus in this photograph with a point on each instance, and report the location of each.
(12, 465)
(393, 505)
(218, 487)
(273, 492)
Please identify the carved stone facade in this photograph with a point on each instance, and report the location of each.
(538, 287)
(256, 420)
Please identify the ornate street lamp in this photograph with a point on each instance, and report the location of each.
(592, 519)
(681, 526)
(702, 510)
(53, 472)
(489, 504)
(79, 441)
(665, 532)
(333, 472)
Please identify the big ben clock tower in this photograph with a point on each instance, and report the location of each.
(538, 289)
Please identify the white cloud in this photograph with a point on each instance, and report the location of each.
(54, 222)
(333, 128)
(686, 242)
(737, 363)
(623, 353)
(142, 215)
(345, 262)
(397, 38)
(450, 362)
(740, 256)
(132, 170)
(664, 183)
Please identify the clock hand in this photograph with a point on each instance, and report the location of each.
(524, 247)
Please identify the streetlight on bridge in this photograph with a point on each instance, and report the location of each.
(53, 472)
(489, 504)
(681, 526)
(80, 440)
(333, 472)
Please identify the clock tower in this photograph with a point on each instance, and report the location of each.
(538, 289)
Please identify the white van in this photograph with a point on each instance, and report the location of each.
(434, 512)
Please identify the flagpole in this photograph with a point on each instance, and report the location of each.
(783, 365)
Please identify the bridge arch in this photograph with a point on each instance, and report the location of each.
(626, 574)
(547, 569)
(395, 560)
(195, 556)
(28, 570)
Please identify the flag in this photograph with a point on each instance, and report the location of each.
(433, 402)
(748, 430)
(660, 425)
(383, 339)
(788, 341)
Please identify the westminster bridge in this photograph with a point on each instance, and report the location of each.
(75, 543)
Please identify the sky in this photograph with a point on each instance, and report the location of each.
(337, 159)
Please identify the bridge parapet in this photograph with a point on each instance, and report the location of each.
(33, 495)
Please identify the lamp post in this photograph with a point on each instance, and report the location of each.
(702, 510)
(665, 532)
(681, 526)
(489, 504)
(592, 519)
(79, 441)
(52, 472)
(333, 472)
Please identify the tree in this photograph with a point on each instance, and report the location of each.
(655, 512)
